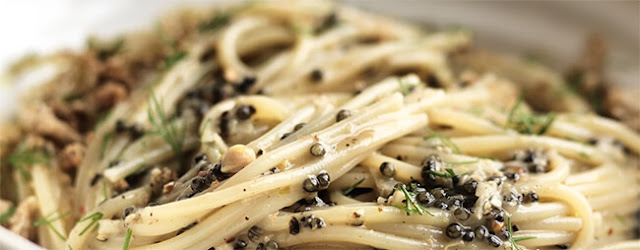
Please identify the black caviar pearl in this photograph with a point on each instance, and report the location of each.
(136, 131)
(245, 112)
(438, 193)
(494, 240)
(121, 126)
(294, 226)
(514, 228)
(440, 204)
(461, 214)
(537, 168)
(455, 180)
(127, 211)
(456, 201)
(261, 246)
(499, 216)
(531, 156)
(254, 233)
(592, 141)
(200, 183)
(240, 244)
(531, 197)
(200, 157)
(323, 179)
(468, 235)
(425, 197)
(114, 163)
(454, 230)
(343, 114)
(317, 149)
(387, 169)
(285, 135)
(272, 245)
(299, 126)
(512, 176)
(481, 232)
(316, 75)
(246, 84)
(310, 184)
(470, 186)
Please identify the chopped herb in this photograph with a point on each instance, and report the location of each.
(105, 140)
(527, 123)
(104, 51)
(94, 217)
(172, 59)
(511, 239)
(166, 127)
(101, 119)
(104, 191)
(69, 246)
(47, 221)
(300, 29)
(449, 173)
(621, 219)
(354, 186)
(127, 239)
(487, 157)
(25, 157)
(218, 20)
(407, 87)
(461, 162)
(176, 55)
(584, 155)
(445, 139)
(410, 202)
(516, 239)
(7, 215)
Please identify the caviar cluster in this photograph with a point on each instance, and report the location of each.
(526, 161)
(209, 173)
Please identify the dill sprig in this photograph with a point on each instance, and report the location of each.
(47, 221)
(445, 139)
(127, 239)
(528, 123)
(94, 217)
(516, 239)
(411, 206)
(448, 174)
(166, 127)
(354, 186)
(461, 162)
(7, 215)
(176, 55)
(105, 140)
(26, 157)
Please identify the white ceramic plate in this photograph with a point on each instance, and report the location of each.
(555, 30)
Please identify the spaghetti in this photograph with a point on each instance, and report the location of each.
(304, 124)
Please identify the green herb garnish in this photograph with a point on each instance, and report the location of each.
(527, 123)
(445, 139)
(176, 55)
(105, 140)
(47, 221)
(354, 186)
(621, 219)
(407, 87)
(514, 240)
(104, 191)
(127, 239)
(94, 217)
(7, 215)
(204, 126)
(449, 173)
(24, 158)
(166, 127)
(411, 206)
(584, 155)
